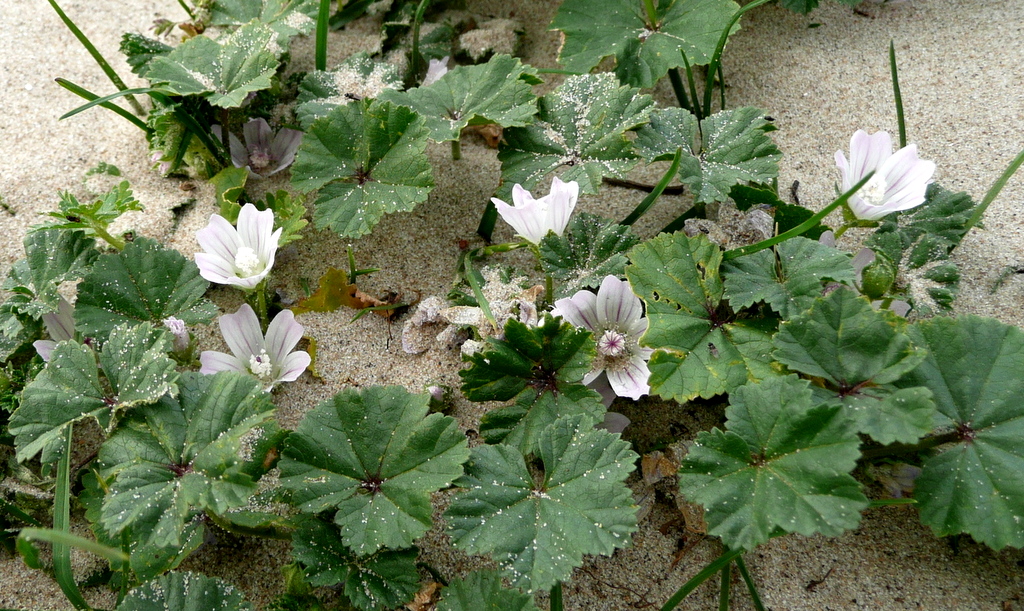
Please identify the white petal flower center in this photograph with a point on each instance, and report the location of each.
(873, 193)
(260, 366)
(612, 343)
(247, 262)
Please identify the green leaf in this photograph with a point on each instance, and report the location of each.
(140, 50)
(538, 532)
(178, 458)
(540, 367)
(644, 52)
(859, 352)
(287, 18)
(229, 185)
(376, 456)
(788, 279)
(782, 465)
(184, 592)
(143, 283)
(52, 256)
(289, 214)
(928, 233)
(366, 159)
(386, 579)
(581, 125)
(137, 371)
(223, 71)
(590, 249)
(700, 348)
(787, 216)
(358, 77)
(496, 92)
(17, 329)
(482, 591)
(731, 147)
(973, 486)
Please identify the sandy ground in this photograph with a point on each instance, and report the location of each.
(961, 75)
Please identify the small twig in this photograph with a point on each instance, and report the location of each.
(814, 583)
(639, 186)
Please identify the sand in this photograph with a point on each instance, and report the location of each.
(961, 75)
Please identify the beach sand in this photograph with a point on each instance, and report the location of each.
(961, 72)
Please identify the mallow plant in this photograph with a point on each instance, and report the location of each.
(816, 362)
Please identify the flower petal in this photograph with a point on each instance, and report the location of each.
(617, 306)
(44, 348)
(867, 153)
(216, 269)
(282, 149)
(257, 134)
(631, 379)
(283, 334)
(580, 310)
(219, 238)
(563, 198)
(213, 361)
(242, 333)
(293, 365)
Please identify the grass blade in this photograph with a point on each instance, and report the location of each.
(322, 21)
(993, 193)
(896, 95)
(653, 196)
(716, 59)
(114, 78)
(97, 100)
(745, 574)
(62, 524)
(705, 574)
(57, 537)
(723, 588)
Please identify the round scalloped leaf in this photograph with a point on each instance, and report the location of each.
(731, 147)
(581, 126)
(143, 283)
(367, 159)
(384, 580)
(496, 92)
(974, 486)
(783, 464)
(177, 458)
(184, 592)
(482, 591)
(590, 249)
(376, 456)
(52, 256)
(700, 349)
(860, 351)
(356, 78)
(539, 532)
(224, 71)
(286, 17)
(644, 52)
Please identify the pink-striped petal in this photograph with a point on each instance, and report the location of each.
(283, 148)
(580, 310)
(257, 134)
(283, 333)
(631, 379)
(219, 238)
(213, 362)
(293, 365)
(242, 333)
(617, 306)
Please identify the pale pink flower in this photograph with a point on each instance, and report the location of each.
(435, 70)
(60, 326)
(268, 359)
(534, 218)
(240, 257)
(264, 152)
(615, 316)
(900, 178)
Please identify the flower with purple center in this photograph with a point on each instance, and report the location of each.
(534, 218)
(240, 257)
(264, 152)
(269, 359)
(615, 316)
(899, 182)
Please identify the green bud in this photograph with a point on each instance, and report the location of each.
(877, 278)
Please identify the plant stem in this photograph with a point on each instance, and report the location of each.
(652, 14)
(721, 90)
(639, 186)
(114, 78)
(799, 229)
(705, 573)
(716, 59)
(261, 303)
(678, 88)
(993, 193)
(62, 523)
(693, 92)
(648, 201)
(102, 232)
(456, 149)
(187, 10)
(896, 94)
(322, 21)
(556, 597)
(897, 449)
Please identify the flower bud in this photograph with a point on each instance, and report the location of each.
(878, 277)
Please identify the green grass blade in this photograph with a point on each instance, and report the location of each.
(486, 227)
(993, 193)
(679, 89)
(700, 578)
(417, 58)
(58, 537)
(61, 524)
(656, 193)
(723, 588)
(556, 597)
(693, 90)
(187, 10)
(745, 574)
(114, 78)
(96, 100)
(716, 59)
(13, 510)
(896, 94)
(322, 21)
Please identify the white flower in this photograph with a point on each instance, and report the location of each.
(615, 316)
(435, 70)
(270, 359)
(60, 327)
(241, 257)
(534, 218)
(900, 178)
(264, 152)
